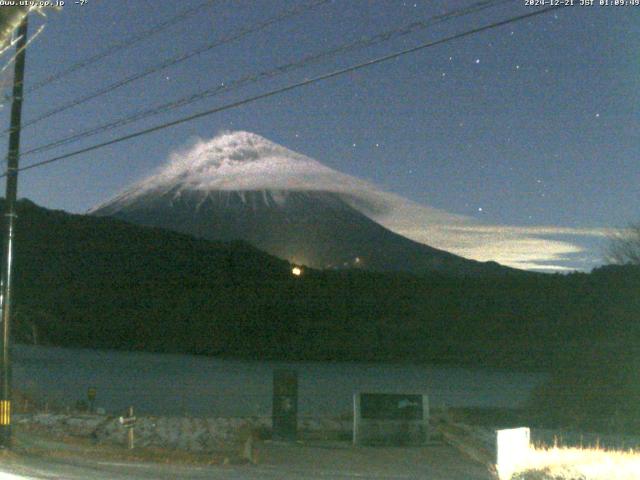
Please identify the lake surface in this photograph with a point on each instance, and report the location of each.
(165, 384)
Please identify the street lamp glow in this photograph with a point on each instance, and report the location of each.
(297, 271)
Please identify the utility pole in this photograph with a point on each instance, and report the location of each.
(10, 217)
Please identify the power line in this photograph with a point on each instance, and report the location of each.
(174, 61)
(288, 88)
(226, 87)
(282, 69)
(122, 45)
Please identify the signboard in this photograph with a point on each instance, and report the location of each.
(285, 405)
(127, 422)
(390, 418)
(91, 394)
(391, 406)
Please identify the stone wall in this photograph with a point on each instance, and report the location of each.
(181, 433)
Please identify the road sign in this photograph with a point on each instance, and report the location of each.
(127, 422)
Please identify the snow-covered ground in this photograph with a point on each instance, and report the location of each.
(162, 384)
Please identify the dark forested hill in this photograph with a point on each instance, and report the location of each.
(102, 283)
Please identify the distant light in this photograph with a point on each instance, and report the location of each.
(297, 271)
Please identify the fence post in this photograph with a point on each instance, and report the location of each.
(131, 429)
(129, 422)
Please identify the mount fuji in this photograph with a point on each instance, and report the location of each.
(241, 186)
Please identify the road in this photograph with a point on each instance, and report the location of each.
(275, 461)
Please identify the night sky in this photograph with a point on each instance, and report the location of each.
(531, 127)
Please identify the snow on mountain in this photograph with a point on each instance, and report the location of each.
(215, 188)
(244, 161)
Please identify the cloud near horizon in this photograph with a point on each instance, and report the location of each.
(246, 161)
(540, 247)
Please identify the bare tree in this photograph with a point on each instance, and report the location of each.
(624, 246)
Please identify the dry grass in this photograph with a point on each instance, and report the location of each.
(565, 463)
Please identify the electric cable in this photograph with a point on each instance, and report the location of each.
(288, 88)
(225, 87)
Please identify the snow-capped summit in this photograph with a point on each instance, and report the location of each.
(241, 186)
(239, 161)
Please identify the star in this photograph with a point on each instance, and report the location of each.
(597, 115)
(480, 209)
(477, 60)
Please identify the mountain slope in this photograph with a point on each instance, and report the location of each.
(241, 186)
(317, 229)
